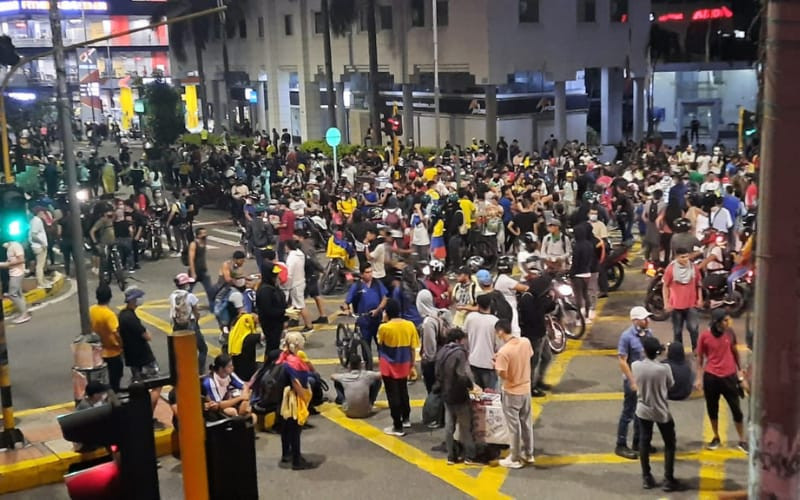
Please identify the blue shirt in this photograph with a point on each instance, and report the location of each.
(630, 344)
(366, 298)
(732, 203)
(408, 306)
(506, 204)
(370, 196)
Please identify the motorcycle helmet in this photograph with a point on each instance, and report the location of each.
(474, 263)
(505, 264)
(682, 225)
(230, 172)
(436, 266)
(530, 238)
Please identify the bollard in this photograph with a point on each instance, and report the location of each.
(11, 435)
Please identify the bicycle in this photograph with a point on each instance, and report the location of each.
(556, 334)
(349, 342)
(113, 270)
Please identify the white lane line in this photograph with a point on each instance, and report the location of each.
(165, 240)
(235, 234)
(72, 291)
(223, 241)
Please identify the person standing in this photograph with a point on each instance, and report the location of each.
(454, 381)
(15, 263)
(654, 381)
(683, 291)
(367, 299)
(630, 349)
(513, 366)
(285, 228)
(479, 327)
(198, 268)
(138, 355)
(296, 263)
(104, 322)
(397, 345)
(718, 361)
(38, 240)
(271, 308)
(532, 311)
(184, 314)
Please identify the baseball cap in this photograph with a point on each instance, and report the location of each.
(464, 270)
(484, 277)
(640, 312)
(183, 279)
(718, 314)
(133, 294)
(554, 222)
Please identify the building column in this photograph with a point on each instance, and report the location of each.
(341, 111)
(491, 115)
(638, 108)
(310, 112)
(560, 115)
(219, 116)
(408, 113)
(611, 106)
(261, 109)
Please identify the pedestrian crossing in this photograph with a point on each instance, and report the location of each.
(221, 236)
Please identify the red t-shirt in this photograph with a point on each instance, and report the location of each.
(682, 296)
(718, 353)
(287, 232)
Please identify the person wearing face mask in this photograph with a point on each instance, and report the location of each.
(718, 361)
(198, 267)
(630, 349)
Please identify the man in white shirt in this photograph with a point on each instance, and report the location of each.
(349, 172)
(38, 240)
(479, 327)
(296, 284)
(509, 287)
(377, 256)
(15, 264)
(711, 184)
(719, 218)
(556, 248)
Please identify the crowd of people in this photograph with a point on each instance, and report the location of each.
(452, 260)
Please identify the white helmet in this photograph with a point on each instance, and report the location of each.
(436, 266)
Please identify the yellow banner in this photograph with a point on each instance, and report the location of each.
(126, 104)
(191, 107)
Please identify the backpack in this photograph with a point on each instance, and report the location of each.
(652, 213)
(268, 389)
(180, 312)
(393, 219)
(185, 255)
(180, 217)
(500, 306)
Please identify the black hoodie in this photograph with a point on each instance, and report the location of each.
(681, 373)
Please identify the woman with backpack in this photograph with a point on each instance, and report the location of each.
(434, 328)
(184, 314)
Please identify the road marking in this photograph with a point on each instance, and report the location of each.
(72, 291)
(235, 234)
(223, 241)
(712, 473)
(610, 319)
(559, 365)
(436, 467)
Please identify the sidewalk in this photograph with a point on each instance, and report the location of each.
(46, 456)
(35, 295)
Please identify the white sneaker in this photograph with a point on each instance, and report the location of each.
(392, 432)
(528, 459)
(95, 271)
(406, 424)
(22, 319)
(510, 464)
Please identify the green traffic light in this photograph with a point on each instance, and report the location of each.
(15, 228)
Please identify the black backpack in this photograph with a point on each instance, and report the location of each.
(500, 306)
(268, 391)
(652, 213)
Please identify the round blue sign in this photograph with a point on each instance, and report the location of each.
(333, 137)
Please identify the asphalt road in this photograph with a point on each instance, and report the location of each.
(574, 427)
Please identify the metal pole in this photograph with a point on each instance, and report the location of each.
(86, 37)
(63, 105)
(9, 175)
(335, 167)
(436, 72)
(775, 404)
(191, 431)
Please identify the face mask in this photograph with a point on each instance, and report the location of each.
(593, 217)
(139, 301)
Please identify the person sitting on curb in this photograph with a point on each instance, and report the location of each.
(357, 389)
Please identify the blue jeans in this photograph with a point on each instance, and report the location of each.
(690, 319)
(736, 273)
(204, 279)
(628, 415)
(369, 331)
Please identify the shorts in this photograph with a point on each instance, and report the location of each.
(312, 288)
(297, 297)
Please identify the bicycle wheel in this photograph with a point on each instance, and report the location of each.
(556, 336)
(119, 271)
(343, 336)
(572, 320)
(366, 355)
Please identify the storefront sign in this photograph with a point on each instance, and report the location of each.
(44, 5)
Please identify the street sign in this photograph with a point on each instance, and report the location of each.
(333, 137)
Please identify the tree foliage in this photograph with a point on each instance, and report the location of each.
(164, 113)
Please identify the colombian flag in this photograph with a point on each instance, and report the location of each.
(438, 245)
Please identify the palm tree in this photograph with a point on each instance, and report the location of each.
(343, 14)
(196, 31)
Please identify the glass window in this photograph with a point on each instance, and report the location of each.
(287, 25)
(442, 13)
(319, 25)
(243, 28)
(587, 11)
(619, 11)
(529, 11)
(386, 17)
(418, 13)
(260, 27)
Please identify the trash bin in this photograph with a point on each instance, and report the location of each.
(231, 459)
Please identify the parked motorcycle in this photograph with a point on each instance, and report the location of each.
(153, 244)
(615, 266)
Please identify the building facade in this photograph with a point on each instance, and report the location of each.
(512, 68)
(96, 73)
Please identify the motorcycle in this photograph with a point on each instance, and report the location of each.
(153, 244)
(565, 311)
(334, 278)
(615, 267)
(317, 229)
(715, 293)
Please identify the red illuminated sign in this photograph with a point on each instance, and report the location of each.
(672, 16)
(698, 15)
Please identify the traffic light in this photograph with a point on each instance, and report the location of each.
(749, 124)
(128, 425)
(397, 125)
(8, 53)
(13, 216)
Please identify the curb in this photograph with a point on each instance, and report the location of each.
(51, 469)
(36, 295)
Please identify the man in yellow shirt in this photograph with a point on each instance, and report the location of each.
(347, 205)
(430, 173)
(467, 207)
(104, 323)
